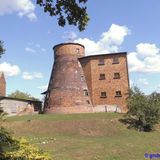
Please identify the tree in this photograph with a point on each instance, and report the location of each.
(71, 11)
(22, 95)
(2, 50)
(143, 111)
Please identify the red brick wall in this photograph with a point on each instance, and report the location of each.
(2, 85)
(109, 85)
(66, 86)
(86, 65)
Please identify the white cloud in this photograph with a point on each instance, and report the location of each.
(69, 36)
(9, 70)
(28, 49)
(43, 88)
(115, 35)
(43, 50)
(35, 47)
(21, 7)
(109, 41)
(131, 83)
(134, 63)
(145, 59)
(31, 76)
(147, 49)
(37, 75)
(143, 81)
(158, 86)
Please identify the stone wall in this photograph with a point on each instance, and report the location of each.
(19, 107)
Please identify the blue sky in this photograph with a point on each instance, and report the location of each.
(115, 25)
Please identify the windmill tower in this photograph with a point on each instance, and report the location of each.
(2, 84)
(67, 90)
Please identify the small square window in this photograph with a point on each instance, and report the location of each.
(103, 95)
(101, 61)
(102, 77)
(88, 102)
(85, 92)
(116, 75)
(118, 94)
(115, 60)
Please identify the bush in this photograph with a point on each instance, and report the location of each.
(14, 149)
(26, 151)
(18, 149)
(143, 111)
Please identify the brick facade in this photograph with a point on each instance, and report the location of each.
(67, 86)
(80, 84)
(2, 85)
(108, 77)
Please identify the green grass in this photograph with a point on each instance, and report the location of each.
(98, 136)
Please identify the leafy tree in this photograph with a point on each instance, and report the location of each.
(143, 111)
(71, 11)
(21, 95)
(2, 50)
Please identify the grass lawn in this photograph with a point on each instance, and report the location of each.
(96, 136)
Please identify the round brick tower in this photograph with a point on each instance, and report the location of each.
(67, 90)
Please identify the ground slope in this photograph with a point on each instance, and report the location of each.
(98, 136)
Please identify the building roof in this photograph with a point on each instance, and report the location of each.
(19, 99)
(70, 43)
(99, 55)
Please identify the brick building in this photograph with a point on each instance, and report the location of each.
(86, 84)
(2, 84)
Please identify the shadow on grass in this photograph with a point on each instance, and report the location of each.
(138, 125)
(129, 122)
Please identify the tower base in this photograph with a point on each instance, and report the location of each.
(70, 110)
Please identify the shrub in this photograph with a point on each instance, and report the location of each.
(143, 111)
(18, 149)
(26, 151)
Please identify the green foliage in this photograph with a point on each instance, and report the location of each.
(5, 137)
(21, 95)
(15, 149)
(2, 50)
(144, 111)
(26, 151)
(72, 11)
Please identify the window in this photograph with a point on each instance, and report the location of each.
(116, 75)
(77, 50)
(115, 60)
(88, 102)
(85, 92)
(101, 61)
(82, 78)
(103, 95)
(118, 94)
(102, 77)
